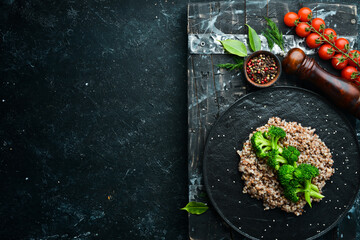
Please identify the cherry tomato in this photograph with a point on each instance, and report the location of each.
(290, 19)
(302, 30)
(305, 14)
(318, 24)
(349, 73)
(354, 54)
(330, 34)
(339, 61)
(326, 51)
(342, 44)
(313, 40)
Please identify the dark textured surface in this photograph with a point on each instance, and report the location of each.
(93, 119)
(223, 181)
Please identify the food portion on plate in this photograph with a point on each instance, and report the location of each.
(285, 165)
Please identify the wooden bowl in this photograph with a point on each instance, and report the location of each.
(278, 64)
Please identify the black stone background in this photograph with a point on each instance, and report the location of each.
(93, 131)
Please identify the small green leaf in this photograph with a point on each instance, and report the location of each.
(254, 40)
(235, 47)
(195, 208)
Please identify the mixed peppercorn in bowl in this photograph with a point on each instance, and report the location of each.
(262, 69)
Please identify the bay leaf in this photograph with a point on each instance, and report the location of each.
(254, 40)
(235, 47)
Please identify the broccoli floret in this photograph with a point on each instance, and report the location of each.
(291, 193)
(261, 144)
(286, 176)
(310, 192)
(299, 180)
(291, 154)
(275, 133)
(305, 172)
(274, 159)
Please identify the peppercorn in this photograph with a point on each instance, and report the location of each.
(262, 69)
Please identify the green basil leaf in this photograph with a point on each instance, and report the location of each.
(195, 208)
(235, 47)
(254, 40)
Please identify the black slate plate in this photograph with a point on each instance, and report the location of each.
(223, 181)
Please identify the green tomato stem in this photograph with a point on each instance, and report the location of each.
(332, 44)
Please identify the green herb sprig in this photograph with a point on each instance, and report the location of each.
(273, 35)
(231, 66)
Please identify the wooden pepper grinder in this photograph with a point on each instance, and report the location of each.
(343, 93)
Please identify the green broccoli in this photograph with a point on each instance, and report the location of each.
(260, 144)
(275, 133)
(310, 192)
(305, 172)
(295, 180)
(286, 176)
(291, 193)
(291, 154)
(274, 159)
